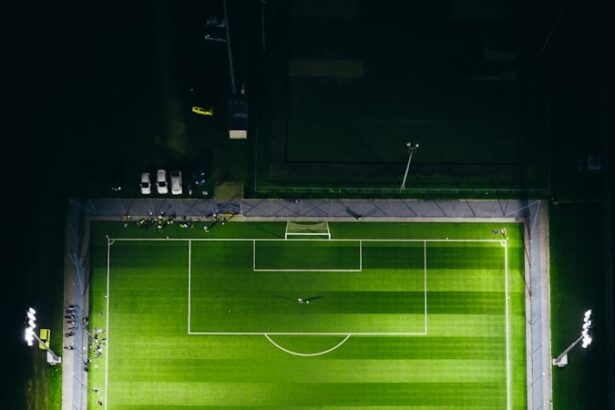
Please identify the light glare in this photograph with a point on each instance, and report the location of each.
(587, 325)
(29, 334)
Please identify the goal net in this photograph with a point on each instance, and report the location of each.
(298, 229)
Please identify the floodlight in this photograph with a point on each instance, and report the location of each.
(411, 151)
(30, 335)
(586, 342)
(585, 339)
(587, 324)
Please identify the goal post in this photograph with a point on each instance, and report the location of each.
(311, 229)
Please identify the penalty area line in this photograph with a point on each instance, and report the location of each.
(297, 240)
(376, 334)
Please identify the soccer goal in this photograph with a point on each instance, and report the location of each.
(315, 229)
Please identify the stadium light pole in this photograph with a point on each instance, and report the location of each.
(585, 338)
(229, 48)
(411, 151)
(263, 39)
(30, 336)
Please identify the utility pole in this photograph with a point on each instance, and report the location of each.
(229, 49)
(263, 39)
(31, 335)
(411, 151)
(562, 359)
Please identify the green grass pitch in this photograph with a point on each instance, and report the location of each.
(401, 315)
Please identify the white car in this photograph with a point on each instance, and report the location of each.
(146, 183)
(176, 182)
(161, 182)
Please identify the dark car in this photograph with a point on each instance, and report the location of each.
(198, 176)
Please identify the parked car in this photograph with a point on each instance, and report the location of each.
(217, 22)
(203, 111)
(146, 183)
(117, 176)
(176, 182)
(161, 182)
(219, 39)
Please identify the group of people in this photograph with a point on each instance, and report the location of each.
(97, 391)
(499, 232)
(71, 316)
(97, 341)
(162, 220)
(159, 221)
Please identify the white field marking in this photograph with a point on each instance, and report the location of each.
(307, 354)
(189, 280)
(297, 240)
(307, 270)
(425, 281)
(508, 363)
(254, 269)
(307, 333)
(423, 333)
(109, 243)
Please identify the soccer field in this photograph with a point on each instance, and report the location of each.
(382, 315)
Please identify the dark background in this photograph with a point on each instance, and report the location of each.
(87, 91)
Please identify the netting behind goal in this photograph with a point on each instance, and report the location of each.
(311, 229)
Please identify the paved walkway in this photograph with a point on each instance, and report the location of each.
(76, 282)
(533, 213)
